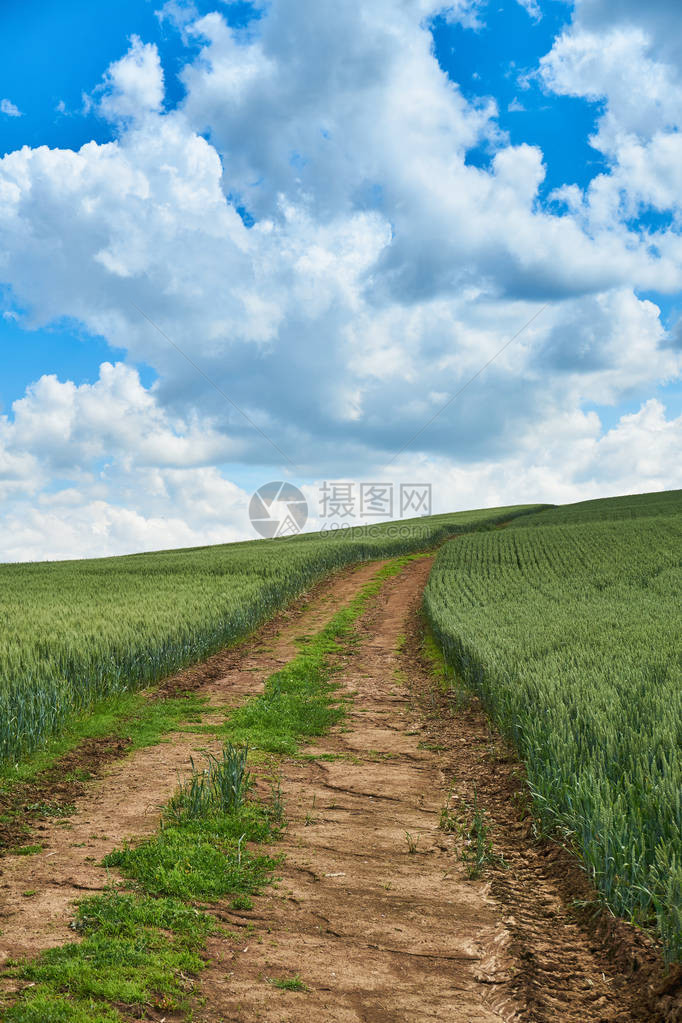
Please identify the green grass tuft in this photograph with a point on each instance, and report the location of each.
(289, 983)
(202, 859)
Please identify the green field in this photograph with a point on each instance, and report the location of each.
(74, 632)
(567, 623)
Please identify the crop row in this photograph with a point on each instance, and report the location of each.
(570, 634)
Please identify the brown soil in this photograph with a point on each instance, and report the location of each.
(53, 792)
(375, 909)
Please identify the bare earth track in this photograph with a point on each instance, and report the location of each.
(375, 909)
(383, 934)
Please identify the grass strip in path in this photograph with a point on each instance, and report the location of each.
(142, 943)
(301, 700)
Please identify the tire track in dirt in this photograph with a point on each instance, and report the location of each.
(375, 911)
(574, 961)
(37, 892)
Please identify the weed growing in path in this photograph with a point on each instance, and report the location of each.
(412, 843)
(221, 786)
(141, 947)
(478, 850)
(288, 983)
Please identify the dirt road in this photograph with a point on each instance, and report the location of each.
(376, 912)
(376, 915)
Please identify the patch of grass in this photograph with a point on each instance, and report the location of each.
(298, 702)
(288, 983)
(27, 850)
(222, 785)
(242, 902)
(136, 719)
(329, 758)
(51, 809)
(449, 682)
(200, 851)
(132, 716)
(142, 948)
(136, 952)
(202, 858)
(302, 700)
(434, 655)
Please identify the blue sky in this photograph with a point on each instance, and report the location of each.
(499, 60)
(339, 215)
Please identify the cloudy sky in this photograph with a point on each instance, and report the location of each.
(273, 240)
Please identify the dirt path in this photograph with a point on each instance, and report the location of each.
(375, 911)
(37, 892)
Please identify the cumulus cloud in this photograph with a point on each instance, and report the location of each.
(627, 58)
(72, 525)
(573, 459)
(382, 269)
(131, 476)
(72, 425)
(114, 499)
(660, 19)
(133, 85)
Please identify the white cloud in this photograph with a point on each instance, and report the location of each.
(121, 503)
(70, 426)
(56, 529)
(626, 57)
(572, 459)
(532, 7)
(9, 108)
(659, 18)
(133, 85)
(177, 13)
(467, 13)
(130, 477)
